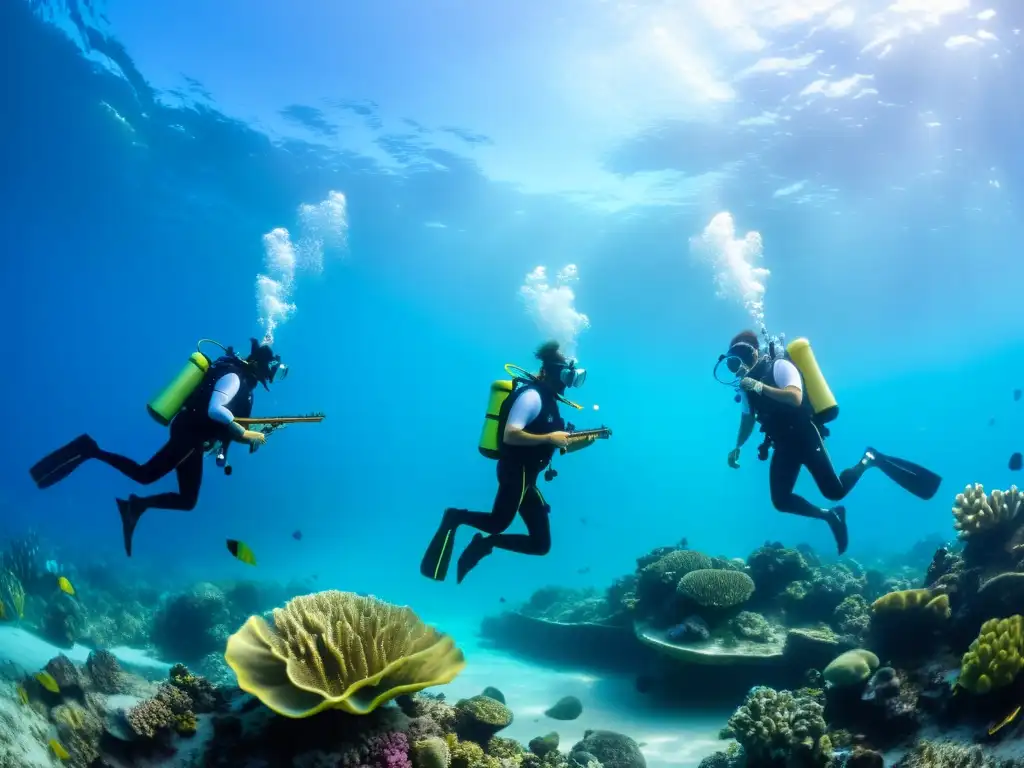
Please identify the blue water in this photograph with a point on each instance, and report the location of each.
(146, 150)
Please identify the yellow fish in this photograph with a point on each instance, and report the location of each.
(46, 680)
(1004, 722)
(241, 550)
(58, 750)
(65, 585)
(22, 693)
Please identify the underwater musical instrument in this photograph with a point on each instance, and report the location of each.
(266, 425)
(601, 433)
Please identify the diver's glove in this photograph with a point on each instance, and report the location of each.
(748, 384)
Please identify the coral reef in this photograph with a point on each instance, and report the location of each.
(752, 626)
(716, 587)
(780, 727)
(330, 649)
(995, 659)
(104, 671)
(610, 749)
(480, 718)
(774, 567)
(191, 624)
(976, 513)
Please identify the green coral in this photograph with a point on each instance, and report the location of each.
(431, 753)
(852, 616)
(951, 754)
(510, 752)
(995, 658)
(716, 588)
(780, 726)
(851, 668)
(675, 565)
(479, 718)
(752, 626)
(469, 754)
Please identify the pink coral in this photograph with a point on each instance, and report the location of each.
(390, 750)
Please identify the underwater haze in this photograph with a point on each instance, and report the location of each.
(404, 197)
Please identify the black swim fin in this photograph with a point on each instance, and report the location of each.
(439, 553)
(129, 519)
(914, 478)
(51, 469)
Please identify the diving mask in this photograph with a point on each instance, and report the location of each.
(571, 376)
(277, 371)
(739, 360)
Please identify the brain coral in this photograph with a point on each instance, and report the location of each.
(339, 650)
(716, 588)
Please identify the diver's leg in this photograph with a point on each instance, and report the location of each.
(189, 470)
(787, 459)
(438, 555)
(190, 478)
(536, 514)
(161, 463)
(513, 489)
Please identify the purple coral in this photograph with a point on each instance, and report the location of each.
(389, 750)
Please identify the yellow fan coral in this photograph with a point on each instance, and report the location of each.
(974, 512)
(994, 659)
(339, 650)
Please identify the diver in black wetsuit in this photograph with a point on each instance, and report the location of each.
(531, 429)
(208, 416)
(774, 397)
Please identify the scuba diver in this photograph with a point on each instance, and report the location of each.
(792, 403)
(529, 430)
(201, 406)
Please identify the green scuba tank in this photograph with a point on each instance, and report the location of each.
(165, 406)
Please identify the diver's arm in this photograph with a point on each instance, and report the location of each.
(790, 386)
(747, 422)
(519, 437)
(524, 411)
(789, 395)
(223, 391)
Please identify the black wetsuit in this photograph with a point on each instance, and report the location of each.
(798, 442)
(192, 432)
(518, 469)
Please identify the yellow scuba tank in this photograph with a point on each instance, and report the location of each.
(489, 438)
(168, 402)
(817, 390)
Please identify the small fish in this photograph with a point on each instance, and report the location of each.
(65, 586)
(297, 535)
(992, 421)
(585, 569)
(502, 600)
(583, 520)
(22, 694)
(1016, 395)
(58, 750)
(241, 550)
(1004, 722)
(46, 680)
(1016, 462)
